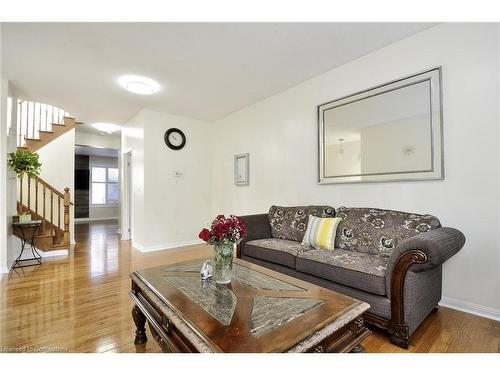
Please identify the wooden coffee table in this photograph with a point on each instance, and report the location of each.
(259, 311)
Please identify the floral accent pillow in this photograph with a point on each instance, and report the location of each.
(290, 223)
(378, 232)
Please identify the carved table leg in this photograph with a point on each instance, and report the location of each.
(140, 323)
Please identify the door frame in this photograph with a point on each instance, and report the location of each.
(127, 197)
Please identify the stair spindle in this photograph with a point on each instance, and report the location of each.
(44, 191)
(31, 120)
(25, 110)
(29, 192)
(51, 206)
(40, 116)
(21, 189)
(19, 124)
(36, 197)
(59, 212)
(67, 202)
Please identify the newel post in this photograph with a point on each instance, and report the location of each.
(67, 202)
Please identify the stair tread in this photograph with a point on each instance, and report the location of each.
(44, 235)
(46, 131)
(57, 124)
(32, 139)
(59, 246)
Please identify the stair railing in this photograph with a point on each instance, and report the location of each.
(33, 117)
(47, 203)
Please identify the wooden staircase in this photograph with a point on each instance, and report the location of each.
(47, 136)
(37, 125)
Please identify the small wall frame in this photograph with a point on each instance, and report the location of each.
(241, 169)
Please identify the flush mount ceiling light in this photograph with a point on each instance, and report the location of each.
(139, 85)
(106, 127)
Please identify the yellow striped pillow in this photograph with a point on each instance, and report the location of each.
(320, 232)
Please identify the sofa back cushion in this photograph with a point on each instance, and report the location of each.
(290, 223)
(376, 231)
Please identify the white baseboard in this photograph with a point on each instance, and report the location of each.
(44, 254)
(54, 253)
(146, 249)
(90, 219)
(47, 254)
(471, 308)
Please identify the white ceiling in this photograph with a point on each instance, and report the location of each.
(206, 70)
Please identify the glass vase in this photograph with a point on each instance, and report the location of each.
(223, 263)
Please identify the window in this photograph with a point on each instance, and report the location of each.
(104, 185)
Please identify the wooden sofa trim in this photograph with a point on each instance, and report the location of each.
(398, 330)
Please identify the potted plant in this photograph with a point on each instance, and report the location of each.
(224, 233)
(25, 162)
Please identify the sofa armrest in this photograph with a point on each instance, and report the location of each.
(418, 253)
(258, 227)
(438, 245)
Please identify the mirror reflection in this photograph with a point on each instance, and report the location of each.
(389, 132)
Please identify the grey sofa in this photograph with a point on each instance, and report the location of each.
(389, 259)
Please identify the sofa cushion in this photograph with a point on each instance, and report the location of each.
(320, 232)
(274, 250)
(357, 270)
(290, 223)
(378, 232)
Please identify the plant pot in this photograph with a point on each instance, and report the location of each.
(223, 263)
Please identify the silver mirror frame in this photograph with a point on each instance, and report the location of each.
(437, 137)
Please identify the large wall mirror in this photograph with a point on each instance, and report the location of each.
(392, 132)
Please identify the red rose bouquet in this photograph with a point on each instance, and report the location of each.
(224, 231)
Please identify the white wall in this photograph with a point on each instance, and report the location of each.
(9, 244)
(343, 158)
(382, 146)
(96, 140)
(280, 133)
(133, 140)
(174, 209)
(3, 168)
(58, 168)
(97, 212)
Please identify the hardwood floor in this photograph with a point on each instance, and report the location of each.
(80, 303)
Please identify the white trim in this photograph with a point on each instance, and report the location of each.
(54, 253)
(471, 308)
(89, 219)
(146, 249)
(4, 269)
(45, 254)
(126, 195)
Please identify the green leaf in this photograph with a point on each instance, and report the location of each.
(25, 161)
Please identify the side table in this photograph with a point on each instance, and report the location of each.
(27, 231)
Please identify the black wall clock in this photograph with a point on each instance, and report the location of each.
(175, 139)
